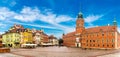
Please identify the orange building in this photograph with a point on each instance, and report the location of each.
(102, 37)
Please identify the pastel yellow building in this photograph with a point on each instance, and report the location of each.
(26, 36)
(11, 39)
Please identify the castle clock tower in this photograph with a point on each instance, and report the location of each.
(79, 29)
(80, 24)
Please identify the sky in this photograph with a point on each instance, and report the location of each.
(56, 17)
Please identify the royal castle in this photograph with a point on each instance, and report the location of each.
(101, 37)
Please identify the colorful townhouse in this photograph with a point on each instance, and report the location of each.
(53, 40)
(45, 38)
(26, 36)
(11, 39)
(18, 35)
(38, 39)
(100, 37)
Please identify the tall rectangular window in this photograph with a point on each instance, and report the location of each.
(87, 41)
(107, 40)
(102, 40)
(112, 33)
(90, 41)
(113, 40)
(97, 40)
(102, 34)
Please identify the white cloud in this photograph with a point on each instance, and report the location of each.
(2, 32)
(92, 18)
(28, 14)
(5, 13)
(63, 18)
(31, 14)
(34, 25)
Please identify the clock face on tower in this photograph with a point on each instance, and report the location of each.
(79, 25)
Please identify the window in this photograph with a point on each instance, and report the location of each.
(103, 45)
(90, 45)
(98, 45)
(87, 44)
(93, 44)
(102, 40)
(107, 40)
(87, 40)
(90, 41)
(102, 34)
(112, 33)
(93, 40)
(107, 45)
(113, 40)
(112, 45)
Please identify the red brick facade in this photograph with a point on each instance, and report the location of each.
(69, 39)
(102, 37)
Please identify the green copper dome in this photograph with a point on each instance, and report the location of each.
(115, 22)
(80, 15)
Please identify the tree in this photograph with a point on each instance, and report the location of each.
(60, 41)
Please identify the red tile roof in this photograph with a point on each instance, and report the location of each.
(101, 28)
(94, 30)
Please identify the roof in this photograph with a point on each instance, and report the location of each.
(13, 31)
(80, 15)
(69, 34)
(39, 31)
(101, 28)
(18, 26)
(95, 30)
(52, 37)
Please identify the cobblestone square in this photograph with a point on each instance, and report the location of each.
(60, 52)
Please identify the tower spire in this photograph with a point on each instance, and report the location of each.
(80, 15)
(114, 22)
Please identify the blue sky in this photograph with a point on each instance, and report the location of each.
(57, 16)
